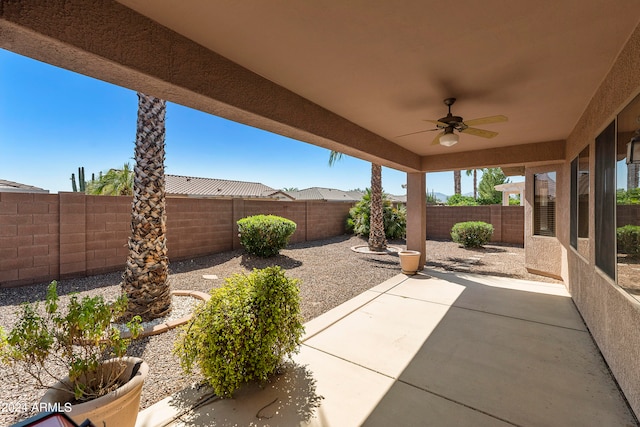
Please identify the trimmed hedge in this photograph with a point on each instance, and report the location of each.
(245, 331)
(472, 234)
(265, 235)
(628, 238)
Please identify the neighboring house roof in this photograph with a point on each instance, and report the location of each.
(328, 194)
(335, 195)
(213, 187)
(10, 186)
(397, 199)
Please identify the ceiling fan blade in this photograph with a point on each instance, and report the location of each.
(436, 122)
(486, 120)
(413, 133)
(480, 132)
(436, 140)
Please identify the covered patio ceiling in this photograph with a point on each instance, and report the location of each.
(350, 76)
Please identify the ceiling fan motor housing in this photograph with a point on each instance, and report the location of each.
(453, 121)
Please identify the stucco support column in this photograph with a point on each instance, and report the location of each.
(417, 214)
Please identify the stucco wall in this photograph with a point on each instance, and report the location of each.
(612, 316)
(544, 255)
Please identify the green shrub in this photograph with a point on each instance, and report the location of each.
(395, 219)
(628, 197)
(265, 235)
(460, 200)
(629, 240)
(472, 234)
(73, 339)
(245, 331)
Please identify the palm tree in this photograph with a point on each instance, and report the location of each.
(475, 181)
(457, 188)
(377, 239)
(145, 277)
(116, 182)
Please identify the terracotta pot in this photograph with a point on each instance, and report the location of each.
(409, 261)
(116, 409)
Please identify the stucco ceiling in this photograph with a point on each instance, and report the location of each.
(387, 65)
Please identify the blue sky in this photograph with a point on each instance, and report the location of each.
(52, 121)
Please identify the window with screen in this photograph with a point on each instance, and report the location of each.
(605, 201)
(579, 203)
(544, 207)
(583, 193)
(628, 200)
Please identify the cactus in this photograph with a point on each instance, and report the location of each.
(81, 181)
(82, 184)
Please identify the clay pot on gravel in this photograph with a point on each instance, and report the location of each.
(118, 408)
(409, 261)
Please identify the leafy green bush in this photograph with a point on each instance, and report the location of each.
(245, 331)
(395, 219)
(265, 235)
(76, 343)
(628, 197)
(472, 234)
(460, 200)
(628, 238)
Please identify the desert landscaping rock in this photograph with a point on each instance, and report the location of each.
(329, 271)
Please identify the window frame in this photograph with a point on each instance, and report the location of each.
(544, 217)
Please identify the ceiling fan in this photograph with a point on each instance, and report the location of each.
(450, 123)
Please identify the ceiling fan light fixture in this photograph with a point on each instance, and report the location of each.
(449, 138)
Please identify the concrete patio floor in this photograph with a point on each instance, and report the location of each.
(436, 349)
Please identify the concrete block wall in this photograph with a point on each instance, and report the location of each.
(198, 227)
(507, 221)
(628, 214)
(56, 236)
(295, 211)
(107, 230)
(29, 237)
(512, 224)
(326, 222)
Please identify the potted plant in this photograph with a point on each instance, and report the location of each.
(85, 345)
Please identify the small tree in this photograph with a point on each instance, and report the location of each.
(394, 219)
(490, 178)
(116, 182)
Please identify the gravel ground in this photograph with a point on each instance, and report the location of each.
(329, 271)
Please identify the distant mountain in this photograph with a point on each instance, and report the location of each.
(440, 196)
(443, 197)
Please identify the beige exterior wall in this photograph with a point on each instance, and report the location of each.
(613, 317)
(544, 255)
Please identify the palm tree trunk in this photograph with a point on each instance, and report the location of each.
(457, 188)
(377, 239)
(475, 183)
(145, 277)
